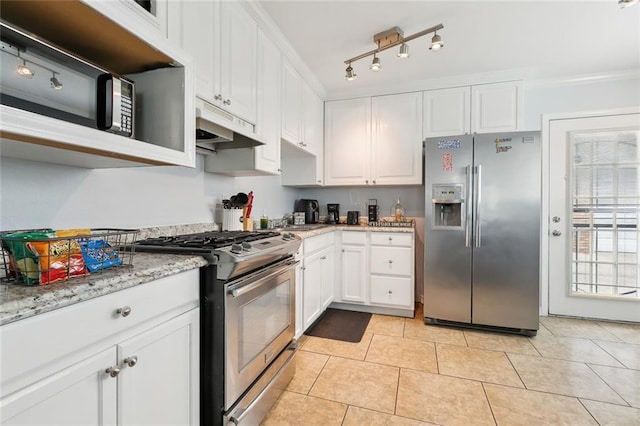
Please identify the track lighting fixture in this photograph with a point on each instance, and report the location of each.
(436, 42)
(404, 50)
(375, 65)
(25, 70)
(391, 38)
(350, 74)
(55, 83)
(626, 3)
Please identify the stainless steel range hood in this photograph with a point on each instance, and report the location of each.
(217, 129)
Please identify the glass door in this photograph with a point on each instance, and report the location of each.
(594, 190)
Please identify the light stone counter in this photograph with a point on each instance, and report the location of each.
(323, 229)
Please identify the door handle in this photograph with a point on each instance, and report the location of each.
(467, 227)
(556, 233)
(478, 196)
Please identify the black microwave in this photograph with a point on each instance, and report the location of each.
(44, 79)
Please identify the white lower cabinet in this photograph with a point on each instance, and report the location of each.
(353, 274)
(318, 277)
(88, 364)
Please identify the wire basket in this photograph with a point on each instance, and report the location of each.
(44, 256)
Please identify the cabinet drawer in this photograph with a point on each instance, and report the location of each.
(354, 237)
(318, 242)
(395, 291)
(391, 260)
(45, 343)
(390, 239)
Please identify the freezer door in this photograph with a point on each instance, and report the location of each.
(447, 282)
(506, 240)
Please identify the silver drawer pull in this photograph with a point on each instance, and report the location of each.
(124, 311)
(112, 371)
(390, 292)
(390, 261)
(131, 361)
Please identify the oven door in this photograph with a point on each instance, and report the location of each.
(259, 324)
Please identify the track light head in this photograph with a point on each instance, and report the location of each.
(404, 51)
(350, 74)
(375, 64)
(436, 42)
(55, 83)
(24, 71)
(626, 3)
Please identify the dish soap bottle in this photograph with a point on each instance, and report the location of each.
(399, 211)
(264, 220)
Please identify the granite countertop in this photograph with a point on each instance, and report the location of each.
(324, 228)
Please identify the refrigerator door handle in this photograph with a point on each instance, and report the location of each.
(467, 198)
(478, 197)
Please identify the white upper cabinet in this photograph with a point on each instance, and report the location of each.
(496, 107)
(291, 104)
(374, 141)
(313, 121)
(396, 140)
(222, 37)
(164, 111)
(264, 159)
(485, 108)
(447, 112)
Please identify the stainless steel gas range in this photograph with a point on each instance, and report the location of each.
(247, 320)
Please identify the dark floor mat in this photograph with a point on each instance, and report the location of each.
(338, 324)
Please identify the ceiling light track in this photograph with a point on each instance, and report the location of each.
(392, 38)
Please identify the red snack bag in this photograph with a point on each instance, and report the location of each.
(58, 259)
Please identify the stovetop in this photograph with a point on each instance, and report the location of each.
(207, 240)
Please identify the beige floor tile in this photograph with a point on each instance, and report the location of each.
(542, 332)
(442, 399)
(628, 333)
(562, 378)
(628, 355)
(524, 407)
(500, 342)
(292, 408)
(359, 416)
(338, 347)
(613, 415)
(573, 327)
(308, 367)
(574, 349)
(476, 364)
(358, 383)
(399, 352)
(417, 329)
(622, 380)
(387, 325)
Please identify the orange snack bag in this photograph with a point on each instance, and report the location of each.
(58, 259)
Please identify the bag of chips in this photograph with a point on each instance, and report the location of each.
(22, 262)
(58, 259)
(98, 254)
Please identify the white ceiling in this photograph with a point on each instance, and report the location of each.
(531, 39)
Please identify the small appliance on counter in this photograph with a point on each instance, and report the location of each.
(333, 213)
(353, 217)
(373, 210)
(310, 208)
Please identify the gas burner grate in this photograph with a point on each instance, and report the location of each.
(212, 240)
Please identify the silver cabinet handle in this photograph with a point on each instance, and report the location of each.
(218, 97)
(556, 233)
(124, 311)
(367, 182)
(390, 238)
(323, 257)
(478, 203)
(131, 361)
(343, 250)
(556, 219)
(373, 181)
(390, 292)
(112, 371)
(227, 102)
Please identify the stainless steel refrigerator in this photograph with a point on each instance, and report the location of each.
(482, 231)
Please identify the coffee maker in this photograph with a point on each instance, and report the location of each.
(333, 213)
(373, 210)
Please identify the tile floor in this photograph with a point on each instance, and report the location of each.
(574, 372)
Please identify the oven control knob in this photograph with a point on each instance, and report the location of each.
(236, 248)
(286, 236)
(246, 246)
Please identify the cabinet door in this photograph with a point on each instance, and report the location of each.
(347, 142)
(81, 394)
(193, 27)
(291, 103)
(354, 274)
(159, 382)
(269, 105)
(312, 123)
(312, 282)
(496, 107)
(239, 40)
(447, 112)
(299, 302)
(396, 142)
(327, 264)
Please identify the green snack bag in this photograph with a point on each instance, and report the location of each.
(21, 259)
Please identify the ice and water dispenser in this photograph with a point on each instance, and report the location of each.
(447, 200)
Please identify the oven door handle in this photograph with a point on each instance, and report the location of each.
(237, 292)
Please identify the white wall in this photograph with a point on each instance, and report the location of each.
(46, 195)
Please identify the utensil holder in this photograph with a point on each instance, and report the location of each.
(232, 220)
